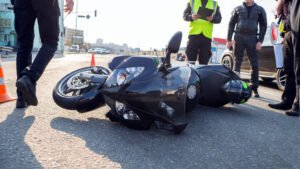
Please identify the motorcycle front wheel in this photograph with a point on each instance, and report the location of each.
(70, 90)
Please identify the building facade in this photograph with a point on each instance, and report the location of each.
(74, 37)
(8, 36)
(7, 32)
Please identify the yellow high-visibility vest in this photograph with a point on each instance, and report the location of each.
(281, 27)
(202, 26)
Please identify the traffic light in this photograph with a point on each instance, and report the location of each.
(88, 16)
(95, 13)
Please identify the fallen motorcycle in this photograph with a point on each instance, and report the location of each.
(146, 90)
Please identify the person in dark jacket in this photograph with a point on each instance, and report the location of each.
(295, 27)
(47, 13)
(244, 23)
(289, 93)
(201, 29)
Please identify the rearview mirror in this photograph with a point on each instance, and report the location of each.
(173, 47)
(174, 43)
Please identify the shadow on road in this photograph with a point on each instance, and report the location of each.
(14, 152)
(227, 137)
(266, 100)
(272, 84)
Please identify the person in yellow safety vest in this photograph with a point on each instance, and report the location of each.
(201, 14)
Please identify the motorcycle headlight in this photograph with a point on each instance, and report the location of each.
(127, 114)
(125, 75)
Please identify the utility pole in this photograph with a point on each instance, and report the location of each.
(75, 34)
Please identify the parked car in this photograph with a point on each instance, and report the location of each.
(99, 51)
(106, 51)
(270, 64)
(91, 50)
(74, 48)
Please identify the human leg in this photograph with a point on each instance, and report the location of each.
(204, 46)
(192, 49)
(253, 58)
(49, 32)
(24, 27)
(238, 52)
(295, 25)
(289, 92)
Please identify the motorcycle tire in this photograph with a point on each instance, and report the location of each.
(71, 102)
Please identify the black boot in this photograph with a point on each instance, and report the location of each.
(281, 106)
(254, 89)
(20, 104)
(294, 111)
(27, 87)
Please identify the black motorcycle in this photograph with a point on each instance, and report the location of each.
(146, 90)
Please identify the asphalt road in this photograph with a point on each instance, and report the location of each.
(234, 136)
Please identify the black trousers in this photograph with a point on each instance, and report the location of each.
(246, 42)
(295, 25)
(47, 13)
(199, 46)
(289, 92)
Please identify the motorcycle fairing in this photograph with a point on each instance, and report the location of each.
(163, 96)
(214, 77)
(117, 61)
(160, 95)
(90, 101)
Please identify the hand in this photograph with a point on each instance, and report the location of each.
(69, 6)
(195, 16)
(258, 46)
(279, 7)
(209, 18)
(229, 45)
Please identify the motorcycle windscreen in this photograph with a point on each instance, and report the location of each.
(172, 103)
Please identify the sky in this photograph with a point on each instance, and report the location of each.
(145, 24)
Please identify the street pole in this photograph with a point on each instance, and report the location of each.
(75, 34)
